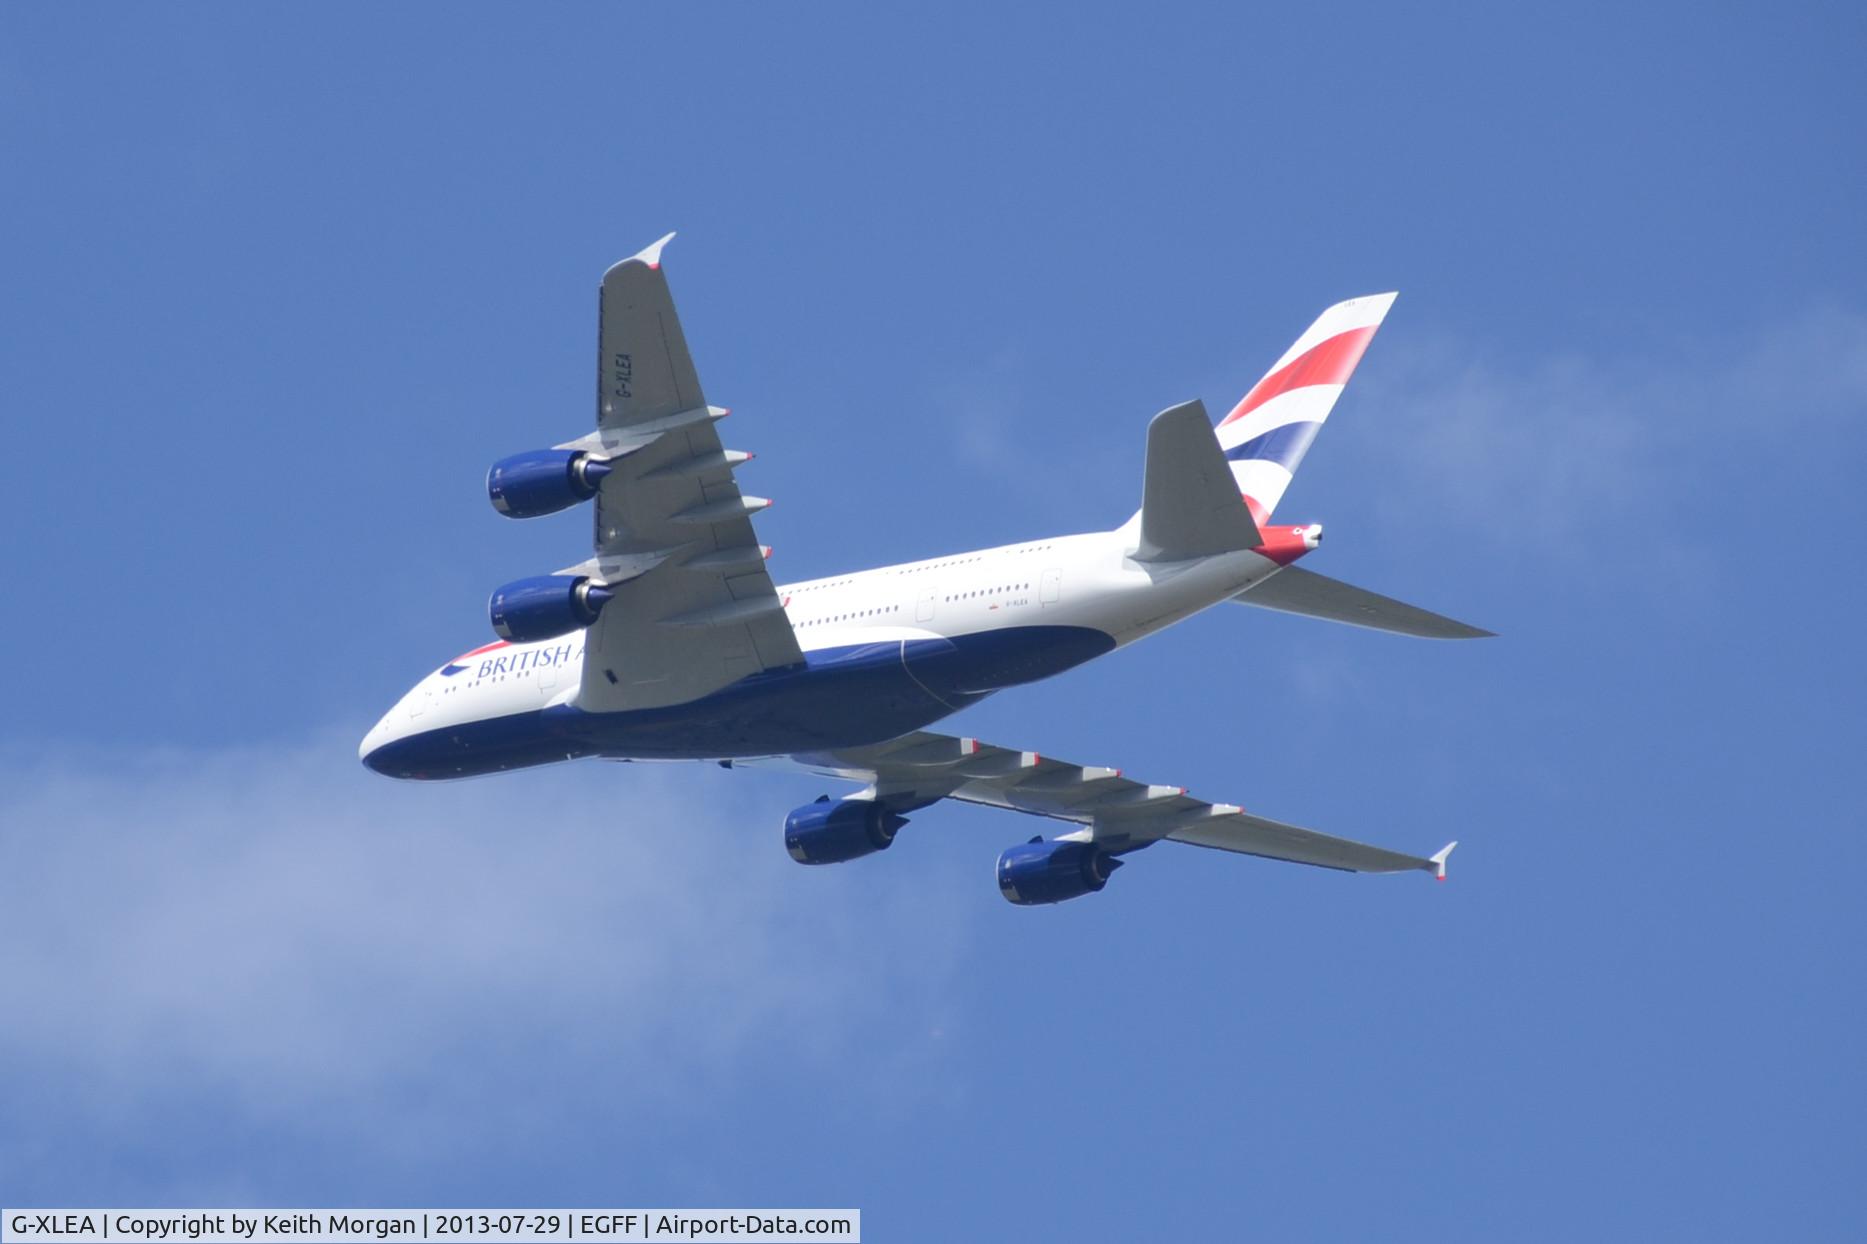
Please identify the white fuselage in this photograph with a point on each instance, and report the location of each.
(983, 599)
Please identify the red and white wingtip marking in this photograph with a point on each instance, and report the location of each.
(1439, 860)
(651, 254)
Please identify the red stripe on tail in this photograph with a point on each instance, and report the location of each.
(1326, 362)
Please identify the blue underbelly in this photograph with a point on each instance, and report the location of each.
(840, 697)
(988, 661)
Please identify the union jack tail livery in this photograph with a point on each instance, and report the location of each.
(1268, 432)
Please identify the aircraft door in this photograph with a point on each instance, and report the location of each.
(1052, 587)
(924, 607)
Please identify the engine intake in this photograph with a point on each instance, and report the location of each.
(528, 610)
(1038, 872)
(543, 481)
(830, 833)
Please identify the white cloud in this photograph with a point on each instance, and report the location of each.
(1003, 434)
(1548, 456)
(284, 937)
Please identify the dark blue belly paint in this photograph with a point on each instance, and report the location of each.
(839, 697)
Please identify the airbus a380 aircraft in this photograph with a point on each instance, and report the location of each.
(672, 643)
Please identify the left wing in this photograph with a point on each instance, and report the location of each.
(693, 608)
(1115, 813)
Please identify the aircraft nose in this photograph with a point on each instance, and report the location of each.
(370, 750)
(396, 746)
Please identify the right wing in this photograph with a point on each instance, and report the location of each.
(1114, 812)
(694, 608)
(1296, 590)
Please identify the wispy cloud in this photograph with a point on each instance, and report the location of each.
(288, 939)
(1002, 426)
(1674, 439)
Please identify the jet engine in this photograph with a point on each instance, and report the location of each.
(543, 481)
(1048, 872)
(528, 610)
(829, 833)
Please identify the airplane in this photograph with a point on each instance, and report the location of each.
(671, 642)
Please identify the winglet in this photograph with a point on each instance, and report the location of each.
(1439, 860)
(650, 254)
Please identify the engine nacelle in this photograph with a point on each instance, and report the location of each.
(543, 481)
(829, 833)
(1048, 872)
(528, 610)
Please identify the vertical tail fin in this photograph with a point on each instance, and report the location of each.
(1268, 432)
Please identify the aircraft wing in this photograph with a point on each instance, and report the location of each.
(1113, 811)
(694, 608)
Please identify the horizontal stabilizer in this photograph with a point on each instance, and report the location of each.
(1190, 506)
(1295, 590)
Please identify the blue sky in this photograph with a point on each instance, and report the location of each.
(280, 284)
